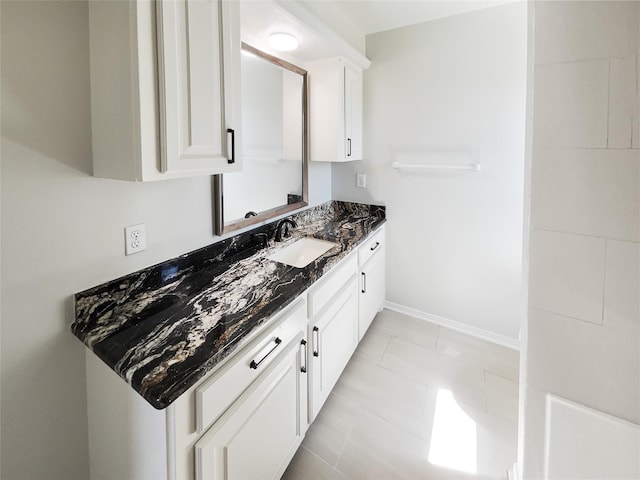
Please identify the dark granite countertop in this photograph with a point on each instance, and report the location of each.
(163, 328)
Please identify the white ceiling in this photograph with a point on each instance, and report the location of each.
(260, 19)
(318, 40)
(371, 16)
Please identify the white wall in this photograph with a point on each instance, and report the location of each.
(62, 232)
(584, 314)
(453, 87)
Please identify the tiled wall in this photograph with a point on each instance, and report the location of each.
(584, 318)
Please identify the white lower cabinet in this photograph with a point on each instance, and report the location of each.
(371, 258)
(246, 419)
(333, 337)
(259, 434)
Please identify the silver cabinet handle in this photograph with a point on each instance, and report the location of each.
(364, 282)
(375, 246)
(316, 341)
(255, 364)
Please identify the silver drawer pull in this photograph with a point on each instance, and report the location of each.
(364, 282)
(316, 341)
(255, 365)
(375, 246)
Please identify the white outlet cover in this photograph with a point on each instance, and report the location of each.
(135, 239)
(361, 180)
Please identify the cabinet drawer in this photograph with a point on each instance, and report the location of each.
(329, 286)
(259, 434)
(370, 246)
(217, 393)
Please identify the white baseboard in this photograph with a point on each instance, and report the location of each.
(454, 325)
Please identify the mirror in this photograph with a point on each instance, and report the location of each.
(274, 145)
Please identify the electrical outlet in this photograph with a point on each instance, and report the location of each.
(361, 180)
(135, 239)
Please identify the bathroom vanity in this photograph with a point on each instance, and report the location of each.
(213, 364)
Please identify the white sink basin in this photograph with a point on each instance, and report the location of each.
(301, 252)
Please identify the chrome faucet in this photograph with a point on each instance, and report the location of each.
(283, 230)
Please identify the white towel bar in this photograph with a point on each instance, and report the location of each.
(407, 166)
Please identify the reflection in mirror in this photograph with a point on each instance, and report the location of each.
(274, 145)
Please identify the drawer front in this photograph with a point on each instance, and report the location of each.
(370, 246)
(217, 393)
(329, 286)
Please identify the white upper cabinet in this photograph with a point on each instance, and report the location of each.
(335, 87)
(198, 60)
(353, 112)
(165, 83)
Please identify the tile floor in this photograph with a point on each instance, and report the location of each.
(416, 401)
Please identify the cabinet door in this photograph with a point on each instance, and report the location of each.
(332, 340)
(353, 112)
(335, 111)
(199, 81)
(259, 434)
(372, 290)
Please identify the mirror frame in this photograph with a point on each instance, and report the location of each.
(220, 227)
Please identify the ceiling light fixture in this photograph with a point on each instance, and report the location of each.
(284, 42)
